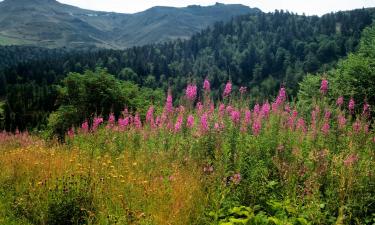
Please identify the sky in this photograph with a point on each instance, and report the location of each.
(309, 7)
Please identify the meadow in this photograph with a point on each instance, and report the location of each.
(199, 162)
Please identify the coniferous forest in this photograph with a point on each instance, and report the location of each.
(263, 51)
(264, 119)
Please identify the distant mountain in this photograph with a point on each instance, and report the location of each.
(49, 23)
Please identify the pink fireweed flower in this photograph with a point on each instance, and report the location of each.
(350, 160)
(325, 128)
(157, 121)
(206, 85)
(256, 110)
(204, 122)
(243, 90)
(366, 110)
(324, 86)
(169, 103)
(235, 116)
(150, 115)
(137, 121)
(178, 125)
(327, 115)
(123, 123)
(199, 107)
(228, 89)
(111, 119)
(287, 108)
(221, 109)
(96, 123)
(301, 125)
(351, 105)
(191, 92)
(85, 127)
(266, 107)
(190, 121)
(229, 109)
(341, 121)
(357, 126)
(281, 97)
(71, 132)
(247, 116)
(340, 101)
(257, 125)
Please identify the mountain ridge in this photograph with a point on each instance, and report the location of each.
(49, 23)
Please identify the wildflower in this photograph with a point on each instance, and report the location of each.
(351, 105)
(190, 121)
(256, 127)
(221, 109)
(357, 126)
(169, 103)
(229, 109)
(111, 119)
(256, 109)
(236, 178)
(243, 90)
(199, 107)
(137, 121)
(191, 92)
(341, 121)
(96, 123)
(85, 127)
(327, 115)
(206, 85)
(281, 97)
(150, 115)
(228, 89)
(247, 116)
(266, 109)
(177, 126)
(366, 110)
(204, 122)
(235, 116)
(325, 128)
(340, 101)
(324, 86)
(350, 160)
(122, 123)
(216, 126)
(71, 132)
(301, 125)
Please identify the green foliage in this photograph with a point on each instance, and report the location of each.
(281, 213)
(354, 77)
(83, 96)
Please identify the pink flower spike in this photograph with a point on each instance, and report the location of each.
(85, 127)
(190, 121)
(324, 86)
(243, 90)
(191, 92)
(206, 85)
(340, 101)
(235, 116)
(228, 89)
(169, 103)
(204, 122)
(351, 105)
